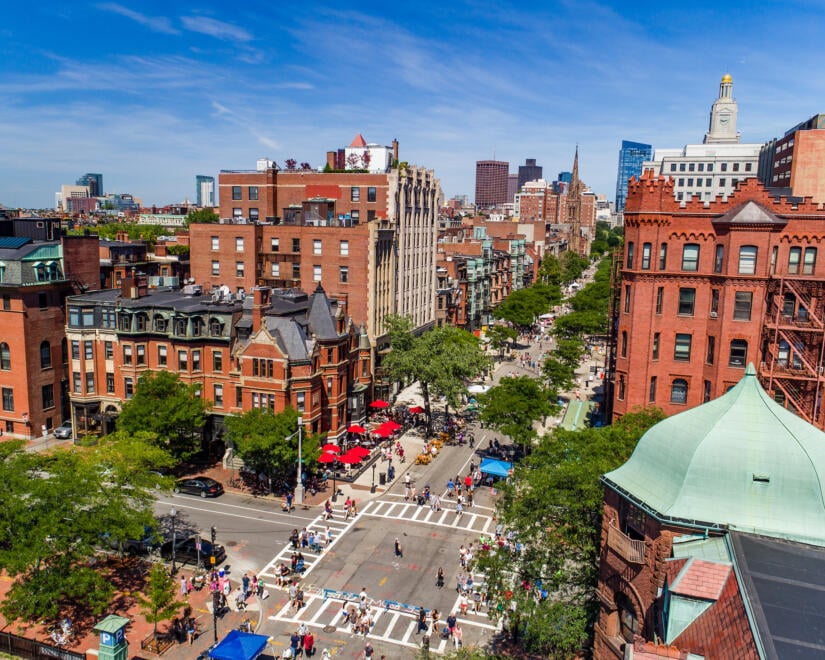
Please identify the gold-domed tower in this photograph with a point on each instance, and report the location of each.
(722, 129)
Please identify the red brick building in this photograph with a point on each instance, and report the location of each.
(265, 350)
(707, 287)
(795, 163)
(35, 278)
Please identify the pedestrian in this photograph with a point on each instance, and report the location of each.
(451, 622)
(439, 578)
(459, 507)
(190, 630)
(255, 585)
(295, 643)
(309, 644)
(245, 585)
(189, 586)
(457, 636)
(407, 480)
(450, 488)
(289, 497)
(327, 510)
(422, 620)
(398, 551)
(294, 538)
(183, 591)
(368, 651)
(477, 602)
(299, 599)
(463, 604)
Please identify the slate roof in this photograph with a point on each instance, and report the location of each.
(320, 316)
(741, 462)
(750, 213)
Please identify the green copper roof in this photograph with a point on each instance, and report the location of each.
(112, 623)
(741, 461)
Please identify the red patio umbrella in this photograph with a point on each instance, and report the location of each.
(359, 451)
(356, 428)
(391, 425)
(327, 457)
(379, 403)
(382, 432)
(416, 410)
(349, 458)
(331, 449)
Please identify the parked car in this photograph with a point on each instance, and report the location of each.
(64, 431)
(203, 486)
(186, 551)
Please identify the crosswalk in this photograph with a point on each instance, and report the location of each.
(469, 520)
(392, 624)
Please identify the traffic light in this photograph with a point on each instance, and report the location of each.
(214, 534)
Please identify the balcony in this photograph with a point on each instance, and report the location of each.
(632, 551)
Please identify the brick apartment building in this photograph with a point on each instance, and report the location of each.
(269, 349)
(795, 163)
(367, 238)
(123, 258)
(707, 287)
(35, 278)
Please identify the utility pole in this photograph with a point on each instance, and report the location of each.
(299, 494)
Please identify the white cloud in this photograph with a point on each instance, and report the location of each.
(155, 23)
(215, 28)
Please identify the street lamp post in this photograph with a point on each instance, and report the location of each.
(372, 489)
(299, 495)
(174, 514)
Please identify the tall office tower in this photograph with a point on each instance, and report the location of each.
(512, 187)
(631, 157)
(491, 182)
(528, 172)
(95, 183)
(205, 190)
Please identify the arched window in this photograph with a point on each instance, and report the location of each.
(628, 620)
(5, 357)
(678, 391)
(40, 271)
(54, 271)
(45, 355)
(738, 353)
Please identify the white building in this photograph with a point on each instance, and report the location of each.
(378, 159)
(719, 163)
(61, 199)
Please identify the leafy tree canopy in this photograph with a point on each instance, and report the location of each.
(572, 266)
(160, 602)
(523, 306)
(110, 231)
(169, 409)
(560, 375)
(202, 216)
(512, 407)
(550, 270)
(499, 335)
(260, 437)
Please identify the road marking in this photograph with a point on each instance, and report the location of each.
(382, 581)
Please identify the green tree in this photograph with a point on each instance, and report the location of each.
(260, 438)
(512, 407)
(569, 351)
(442, 360)
(202, 216)
(598, 247)
(169, 409)
(499, 336)
(178, 250)
(554, 503)
(523, 306)
(572, 266)
(560, 375)
(160, 602)
(550, 270)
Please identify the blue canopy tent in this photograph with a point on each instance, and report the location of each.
(239, 645)
(495, 467)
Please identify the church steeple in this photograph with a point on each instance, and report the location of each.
(575, 175)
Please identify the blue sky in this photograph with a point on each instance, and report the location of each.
(152, 93)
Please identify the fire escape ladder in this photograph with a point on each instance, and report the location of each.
(813, 315)
(799, 348)
(794, 395)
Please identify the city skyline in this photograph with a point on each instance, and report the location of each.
(151, 96)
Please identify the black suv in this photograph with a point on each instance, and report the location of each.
(187, 551)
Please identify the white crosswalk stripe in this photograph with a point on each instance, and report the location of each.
(446, 517)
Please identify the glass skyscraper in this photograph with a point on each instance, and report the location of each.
(205, 191)
(631, 157)
(95, 183)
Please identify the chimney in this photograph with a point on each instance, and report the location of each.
(331, 159)
(260, 300)
(395, 150)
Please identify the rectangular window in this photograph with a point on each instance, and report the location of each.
(316, 273)
(710, 167)
(183, 361)
(719, 259)
(218, 396)
(129, 387)
(723, 167)
(239, 244)
(794, 257)
(736, 167)
(216, 244)
(371, 215)
(681, 181)
(371, 196)
(738, 353)
(254, 214)
(161, 356)
(90, 382)
(627, 299)
(8, 399)
(690, 257)
(660, 298)
(316, 246)
(75, 349)
(681, 167)
(77, 385)
(742, 306)
(256, 400)
(646, 248)
(253, 193)
(711, 352)
(355, 194)
(722, 183)
(809, 262)
(663, 256)
(108, 350)
(687, 301)
(255, 370)
(275, 245)
(296, 244)
(706, 392)
(652, 395)
(747, 260)
(714, 303)
(88, 350)
(110, 383)
(681, 350)
(217, 361)
(275, 269)
(708, 182)
(690, 182)
(355, 214)
(236, 193)
(301, 401)
(141, 353)
(691, 167)
(127, 354)
(239, 269)
(47, 396)
(673, 167)
(237, 212)
(239, 396)
(296, 271)
(629, 262)
(216, 268)
(343, 274)
(656, 338)
(196, 360)
(344, 248)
